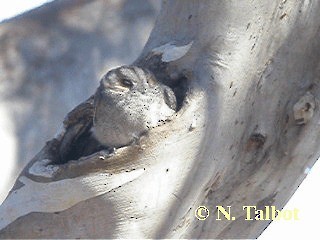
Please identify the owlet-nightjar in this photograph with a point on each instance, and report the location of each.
(127, 103)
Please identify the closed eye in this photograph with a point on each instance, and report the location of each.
(126, 83)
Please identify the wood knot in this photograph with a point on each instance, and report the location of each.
(303, 110)
(255, 141)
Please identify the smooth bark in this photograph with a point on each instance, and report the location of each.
(247, 130)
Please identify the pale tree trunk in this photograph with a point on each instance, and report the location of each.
(51, 59)
(245, 134)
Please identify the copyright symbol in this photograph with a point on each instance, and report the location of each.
(202, 213)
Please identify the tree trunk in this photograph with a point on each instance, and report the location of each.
(51, 60)
(246, 131)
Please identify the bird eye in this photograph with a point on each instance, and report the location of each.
(126, 83)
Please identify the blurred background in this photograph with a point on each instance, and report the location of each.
(51, 59)
(52, 54)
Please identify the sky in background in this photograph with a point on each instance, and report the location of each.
(306, 198)
(12, 8)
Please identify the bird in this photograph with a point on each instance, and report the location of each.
(128, 102)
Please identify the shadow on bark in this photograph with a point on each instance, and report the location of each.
(53, 57)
